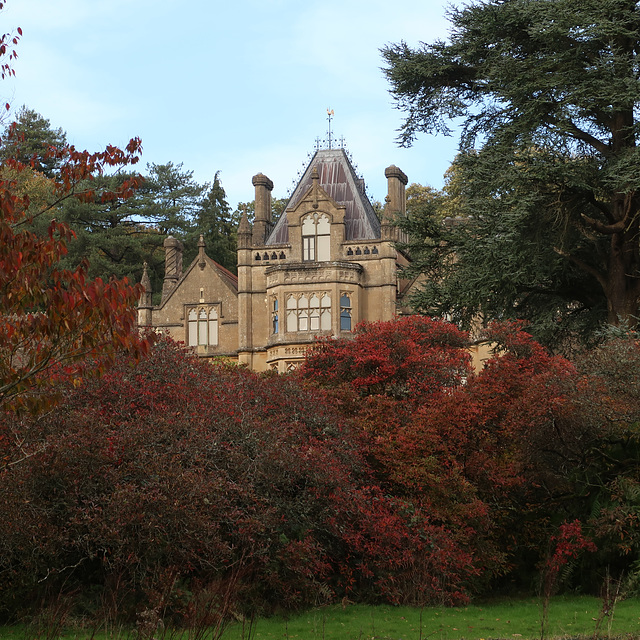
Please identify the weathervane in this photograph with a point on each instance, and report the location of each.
(328, 142)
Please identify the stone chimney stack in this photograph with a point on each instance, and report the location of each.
(396, 182)
(395, 204)
(262, 222)
(172, 265)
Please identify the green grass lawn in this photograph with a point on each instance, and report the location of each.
(569, 617)
(518, 619)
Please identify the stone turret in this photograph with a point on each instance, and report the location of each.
(172, 265)
(244, 231)
(262, 224)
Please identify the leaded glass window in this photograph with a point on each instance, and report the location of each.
(316, 238)
(309, 312)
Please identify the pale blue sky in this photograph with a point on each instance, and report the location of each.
(242, 87)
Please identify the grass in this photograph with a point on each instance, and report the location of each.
(569, 617)
(515, 619)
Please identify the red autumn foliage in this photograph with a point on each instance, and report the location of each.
(54, 321)
(568, 543)
(172, 466)
(7, 52)
(170, 476)
(405, 358)
(449, 442)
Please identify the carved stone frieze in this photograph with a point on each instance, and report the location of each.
(301, 273)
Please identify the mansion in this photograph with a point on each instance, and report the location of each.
(327, 264)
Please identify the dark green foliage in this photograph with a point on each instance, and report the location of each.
(113, 235)
(548, 174)
(170, 198)
(513, 256)
(31, 141)
(118, 235)
(215, 221)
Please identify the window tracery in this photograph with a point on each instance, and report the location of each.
(202, 326)
(309, 312)
(316, 238)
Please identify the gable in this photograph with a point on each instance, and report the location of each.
(203, 275)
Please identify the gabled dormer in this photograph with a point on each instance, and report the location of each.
(315, 225)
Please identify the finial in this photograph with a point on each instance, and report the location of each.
(244, 228)
(146, 281)
(315, 177)
(201, 258)
(329, 115)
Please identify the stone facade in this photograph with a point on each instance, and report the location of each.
(327, 264)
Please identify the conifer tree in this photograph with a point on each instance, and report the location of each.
(548, 94)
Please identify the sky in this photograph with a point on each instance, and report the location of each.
(240, 86)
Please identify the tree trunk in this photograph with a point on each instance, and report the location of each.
(623, 287)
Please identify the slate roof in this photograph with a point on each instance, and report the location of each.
(338, 178)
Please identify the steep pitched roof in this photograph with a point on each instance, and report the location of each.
(339, 180)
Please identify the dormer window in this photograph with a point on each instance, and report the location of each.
(316, 236)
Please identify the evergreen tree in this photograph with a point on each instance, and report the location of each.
(549, 179)
(170, 198)
(30, 141)
(215, 221)
(113, 234)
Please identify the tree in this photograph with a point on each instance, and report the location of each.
(451, 444)
(419, 196)
(216, 223)
(549, 95)
(55, 325)
(112, 233)
(29, 140)
(587, 458)
(171, 198)
(408, 357)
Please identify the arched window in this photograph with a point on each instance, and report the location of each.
(202, 327)
(325, 313)
(213, 326)
(193, 327)
(345, 312)
(274, 315)
(316, 238)
(309, 312)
